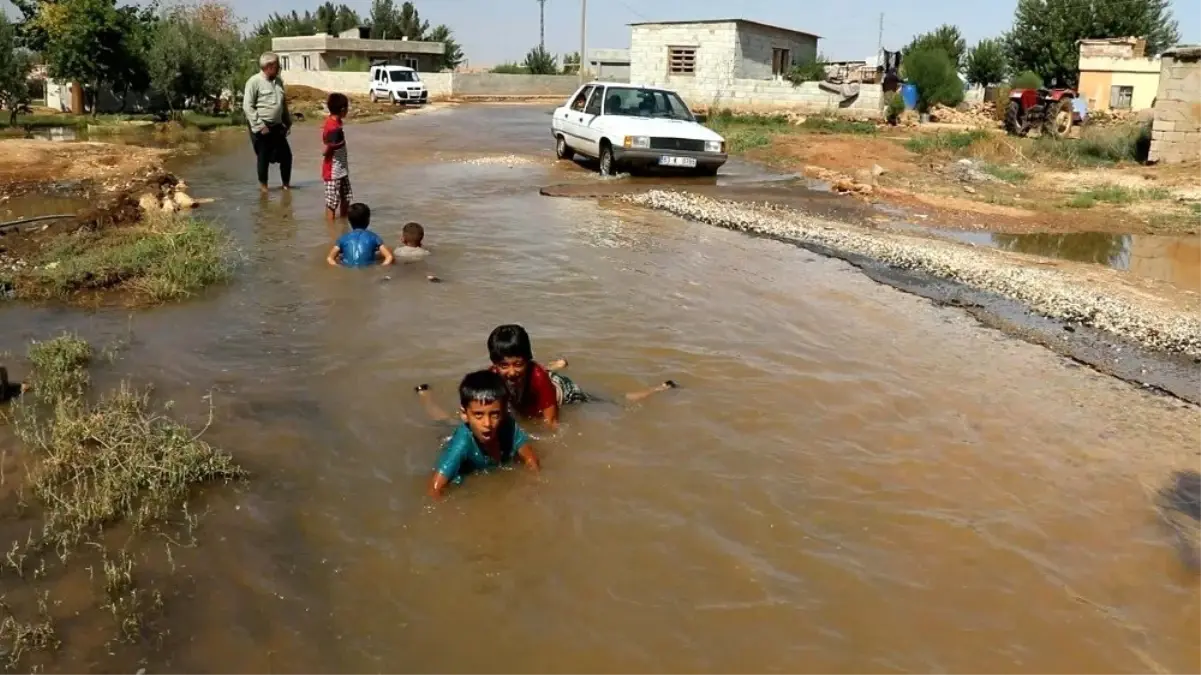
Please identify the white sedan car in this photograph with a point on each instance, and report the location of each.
(628, 126)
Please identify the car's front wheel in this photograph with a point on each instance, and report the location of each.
(562, 150)
(608, 164)
(372, 96)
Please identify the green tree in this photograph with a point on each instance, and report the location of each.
(946, 37)
(934, 74)
(541, 62)
(1027, 79)
(452, 53)
(808, 71)
(510, 68)
(15, 64)
(985, 64)
(1045, 33)
(86, 42)
(409, 22)
(190, 59)
(571, 63)
(383, 20)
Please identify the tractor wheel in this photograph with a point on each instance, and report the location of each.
(1014, 124)
(1057, 122)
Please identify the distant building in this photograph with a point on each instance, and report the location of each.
(609, 65)
(1115, 74)
(704, 55)
(326, 52)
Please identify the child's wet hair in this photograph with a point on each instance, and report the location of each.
(359, 215)
(482, 386)
(413, 233)
(509, 341)
(337, 103)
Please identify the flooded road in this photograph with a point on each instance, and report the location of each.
(849, 479)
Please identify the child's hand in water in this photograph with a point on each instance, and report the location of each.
(433, 279)
(557, 364)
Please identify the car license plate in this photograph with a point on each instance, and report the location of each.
(668, 160)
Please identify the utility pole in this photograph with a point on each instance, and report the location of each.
(542, 25)
(583, 38)
(880, 41)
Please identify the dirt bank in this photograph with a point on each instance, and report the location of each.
(29, 165)
(1079, 298)
(981, 179)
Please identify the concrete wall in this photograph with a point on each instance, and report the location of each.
(755, 44)
(771, 96)
(1176, 131)
(444, 85)
(715, 45)
(497, 84)
(1099, 74)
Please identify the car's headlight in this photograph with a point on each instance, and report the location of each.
(715, 146)
(639, 142)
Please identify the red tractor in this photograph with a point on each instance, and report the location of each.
(1049, 110)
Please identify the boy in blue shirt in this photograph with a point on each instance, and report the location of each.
(360, 246)
(489, 438)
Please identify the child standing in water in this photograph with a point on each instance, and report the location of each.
(335, 167)
(410, 247)
(488, 438)
(360, 246)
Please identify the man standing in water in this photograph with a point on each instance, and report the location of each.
(270, 122)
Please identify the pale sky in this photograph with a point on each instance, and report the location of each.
(493, 31)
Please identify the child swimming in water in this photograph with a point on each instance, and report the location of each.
(535, 390)
(410, 249)
(488, 438)
(360, 246)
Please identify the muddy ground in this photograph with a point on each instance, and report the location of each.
(994, 185)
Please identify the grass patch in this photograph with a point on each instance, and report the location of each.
(1097, 146)
(1115, 194)
(51, 120)
(837, 125)
(161, 259)
(1009, 174)
(945, 142)
(115, 464)
(204, 122)
(749, 131)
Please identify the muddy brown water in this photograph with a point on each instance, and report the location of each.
(849, 479)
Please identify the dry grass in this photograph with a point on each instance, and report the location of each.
(95, 464)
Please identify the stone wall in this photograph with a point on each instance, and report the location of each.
(773, 96)
(1176, 131)
(715, 45)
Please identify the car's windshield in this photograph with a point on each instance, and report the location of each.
(403, 75)
(633, 102)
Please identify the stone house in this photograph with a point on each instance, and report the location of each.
(1115, 74)
(1176, 129)
(740, 65)
(326, 52)
(702, 57)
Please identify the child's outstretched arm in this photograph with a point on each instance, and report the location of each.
(635, 396)
(529, 457)
(332, 258)
(427, 402)
(387, 253)
(550, 415)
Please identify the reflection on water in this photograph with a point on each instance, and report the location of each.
(1174, 259)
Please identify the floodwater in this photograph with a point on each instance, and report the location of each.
(848, 479)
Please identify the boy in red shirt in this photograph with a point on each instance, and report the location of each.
(335, 169)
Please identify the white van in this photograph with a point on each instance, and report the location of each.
(397, 84)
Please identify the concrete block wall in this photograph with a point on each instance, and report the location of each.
(497, 84)
(445, 85)
(755, 45)
(1176, 129)
(743, 95)
(715, 45)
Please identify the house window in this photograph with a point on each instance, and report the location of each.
(410, 63)
(306, 62)
(1121, 98)
(681, 60)
(283, 63)
(781, 61)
